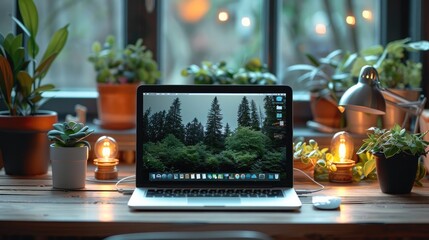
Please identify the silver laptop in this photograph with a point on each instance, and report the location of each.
(214, 147)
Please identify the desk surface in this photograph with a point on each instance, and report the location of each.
(29, 206)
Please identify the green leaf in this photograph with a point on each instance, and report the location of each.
(29, 15)
(25, 81)
(368, 167)
(57, 42)
(44, 66)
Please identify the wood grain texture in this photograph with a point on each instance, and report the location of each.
(29, 206)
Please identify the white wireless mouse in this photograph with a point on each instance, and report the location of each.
(326, 202)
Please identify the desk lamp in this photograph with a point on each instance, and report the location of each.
(366, 96)
(106, 150)
(342, 149)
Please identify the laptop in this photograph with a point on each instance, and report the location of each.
(214, 147)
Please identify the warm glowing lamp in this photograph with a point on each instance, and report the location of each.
(106, 150)
(342, 148)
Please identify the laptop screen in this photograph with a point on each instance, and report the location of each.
(214, 136)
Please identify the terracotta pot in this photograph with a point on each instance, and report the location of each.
(395, 115)
(117, 105)
(325, 111)
(396, 174)
(24, 143)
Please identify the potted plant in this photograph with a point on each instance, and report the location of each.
(397, 154)
(119, 72)
(23, 126)
(69, 154)
(306, 154)
(327, 78)
(396, 72)
(252, 72)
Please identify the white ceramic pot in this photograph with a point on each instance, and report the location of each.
(68, 167)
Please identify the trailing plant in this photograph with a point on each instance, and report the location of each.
(252, 72)
(21, 70)
(310, 154)
(132, 64)
(70, 134)
(365, 167)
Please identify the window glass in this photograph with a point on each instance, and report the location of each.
(320, 27)
(6, 22)
(208, 30)
(89, 21)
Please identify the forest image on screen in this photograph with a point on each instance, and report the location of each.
(214, 133)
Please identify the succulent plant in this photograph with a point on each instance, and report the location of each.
(70, 134)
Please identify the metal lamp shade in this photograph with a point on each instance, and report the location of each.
(365, 95)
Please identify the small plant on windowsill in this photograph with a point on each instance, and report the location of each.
(133, 64)
(252, 72)
(119, 73)
(397, 154)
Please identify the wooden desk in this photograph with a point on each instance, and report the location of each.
(30, 207)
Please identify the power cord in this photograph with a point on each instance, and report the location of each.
(130, 178)
(308, 191)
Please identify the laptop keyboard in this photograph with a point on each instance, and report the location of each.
(259, 193)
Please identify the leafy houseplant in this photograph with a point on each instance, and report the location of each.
(119, 72)
(396, 72)
(21, 88)
(327, 78)
(397, 154)
(69, 154)
(252, 72)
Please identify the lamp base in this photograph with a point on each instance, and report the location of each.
(106, 170)
(344, 172)
(106, 173)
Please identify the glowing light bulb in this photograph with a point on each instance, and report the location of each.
(106, 147)
(351, 20)
(106, 150)
(320, 29)
(342, 146)
(367, 14)
(245, 22)
(223, 16)
(342, 149)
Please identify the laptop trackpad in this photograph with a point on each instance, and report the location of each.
(214, 201)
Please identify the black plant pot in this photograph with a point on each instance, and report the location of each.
(396, 175)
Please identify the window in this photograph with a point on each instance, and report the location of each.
(6, 23)
(89, 21)
(208, 30)
(320, 27)
(235, 30)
